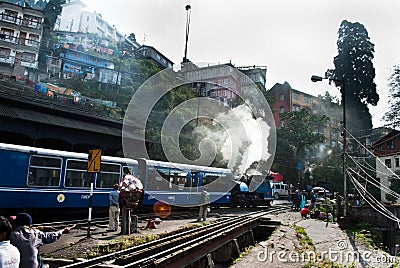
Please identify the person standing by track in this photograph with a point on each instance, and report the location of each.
(113, 210)
(204, 203)
(131, 189)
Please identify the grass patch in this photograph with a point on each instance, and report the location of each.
(242, 255)
(131, 241)
(365, 233)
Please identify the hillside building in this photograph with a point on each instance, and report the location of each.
(20, 37)
(288, 99)
(387, 152)
(220, 82)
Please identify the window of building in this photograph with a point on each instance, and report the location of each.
(388, 163)
(307, 99)
(281, 109)
(390, 144)
(33, 39)
(11, 15)
(28, 56)
(296, 96)
(296, 108)
(281, 96)
(44, 171)
(4, 52)
(8, 34)
(397, 162)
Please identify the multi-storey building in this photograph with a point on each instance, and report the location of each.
(74, 18)
(288, 99)
(77, 64)
(20, 36)
(220, 82)
(149, 52)
(387, 152)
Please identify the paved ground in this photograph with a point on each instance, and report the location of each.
(331, 243)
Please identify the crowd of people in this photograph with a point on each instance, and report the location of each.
(306, 203)
(20, 241)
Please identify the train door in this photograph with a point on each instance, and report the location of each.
(195, 178)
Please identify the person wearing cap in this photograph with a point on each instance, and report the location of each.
(113, 210)
(28, 240)
(9, 254)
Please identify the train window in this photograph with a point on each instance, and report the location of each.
(76, 174)
(44, 171)
(216, 182)
(157, 178)
(109, 175)
(178, 179)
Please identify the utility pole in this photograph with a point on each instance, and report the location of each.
(187, 7)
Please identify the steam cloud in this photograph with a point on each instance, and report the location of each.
(240, 149)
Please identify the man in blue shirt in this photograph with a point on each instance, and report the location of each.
(113, 210)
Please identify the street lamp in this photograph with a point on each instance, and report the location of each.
(316, 78)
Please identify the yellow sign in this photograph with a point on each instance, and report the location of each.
(94, 161)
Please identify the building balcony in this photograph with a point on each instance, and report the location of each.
(19, 43)
(29, 24)
(6, 59)
(29, 63)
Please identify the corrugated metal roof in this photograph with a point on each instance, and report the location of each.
(45, 118)
(7, 111)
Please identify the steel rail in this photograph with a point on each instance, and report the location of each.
(159, 249)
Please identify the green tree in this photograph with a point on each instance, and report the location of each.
(393, 115)
(51, 11)
(295, 140)
(330, 170)
(354, 66)
(188, 144)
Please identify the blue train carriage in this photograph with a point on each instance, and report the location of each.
(252, 191)
(34, 179)
(181, 185)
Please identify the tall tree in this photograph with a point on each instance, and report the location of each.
(354, 66)
(51, 11)
(393, 115)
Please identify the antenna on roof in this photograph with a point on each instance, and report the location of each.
(187, 7)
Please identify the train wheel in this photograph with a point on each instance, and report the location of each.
(276, 195)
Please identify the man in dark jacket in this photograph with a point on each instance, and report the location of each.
(28, 240)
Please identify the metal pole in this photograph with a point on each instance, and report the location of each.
(90, 204)
(344, 148)
(187, 7)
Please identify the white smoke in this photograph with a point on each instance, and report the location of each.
(243, 141)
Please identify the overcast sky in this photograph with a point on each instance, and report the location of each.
(294, 39)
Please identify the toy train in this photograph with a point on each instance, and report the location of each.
(34, 179)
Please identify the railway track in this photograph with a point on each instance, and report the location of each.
(185, 248)
(103, 221)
